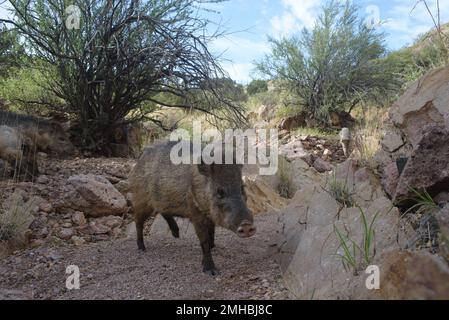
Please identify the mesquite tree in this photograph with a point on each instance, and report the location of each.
(114, 61)
(333, 66)
(9, 50)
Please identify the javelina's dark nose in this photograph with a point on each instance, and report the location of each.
(246, 230)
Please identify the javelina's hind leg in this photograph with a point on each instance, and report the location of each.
(172, 225)
(211, 230)
(140, 217)
(204, 235)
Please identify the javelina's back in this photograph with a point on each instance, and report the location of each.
(156, 183)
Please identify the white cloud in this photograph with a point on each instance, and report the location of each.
(404, 24)
(4, 14)
(240, 53)
(284, 25)
(296, 15)
(305, 10)
(236, 46)
(239, 71)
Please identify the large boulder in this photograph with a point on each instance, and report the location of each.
(414, 130)
(406, 275)
(425, 102)
(311, 249)
(428, 166)
(93, 195)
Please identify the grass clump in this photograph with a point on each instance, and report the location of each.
(340, 191)
(422, 218)
(15, 219)
(315, 132)
(357, 257)
(285, 187)
(424, 203)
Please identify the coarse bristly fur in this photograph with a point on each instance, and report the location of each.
(208, 195)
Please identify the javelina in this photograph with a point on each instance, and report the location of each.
(18, 152)
(46, 135)
(208, 195)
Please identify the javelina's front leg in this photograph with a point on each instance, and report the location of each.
(141, 214)
(211, 227)
(203, 231)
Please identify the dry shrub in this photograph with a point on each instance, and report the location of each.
(15, 219)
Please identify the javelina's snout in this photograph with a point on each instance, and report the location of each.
(246, 229)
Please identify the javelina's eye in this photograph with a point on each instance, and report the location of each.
(61, 139)
(221, 193)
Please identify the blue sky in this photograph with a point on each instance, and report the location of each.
(253, 20)
(248, 23)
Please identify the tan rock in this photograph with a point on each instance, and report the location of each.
(392, 141)
(261, 197)
(93, 195)
(65, 233)
(411, 275)
(46, 206)
(78, 241)
(110, 221)
(79, 219)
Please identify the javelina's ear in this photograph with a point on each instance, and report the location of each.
(205, 169)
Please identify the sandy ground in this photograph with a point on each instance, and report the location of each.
(169, 269)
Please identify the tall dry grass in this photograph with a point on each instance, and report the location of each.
(15, 219)
(367, 136)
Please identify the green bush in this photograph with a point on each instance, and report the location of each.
(334, 65)
(10, 50)
(257, 86)
(24, 90)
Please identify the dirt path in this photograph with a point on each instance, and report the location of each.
(169, 269)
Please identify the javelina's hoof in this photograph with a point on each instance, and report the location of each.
(212, 272)
(175, 233)
(141, 247)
